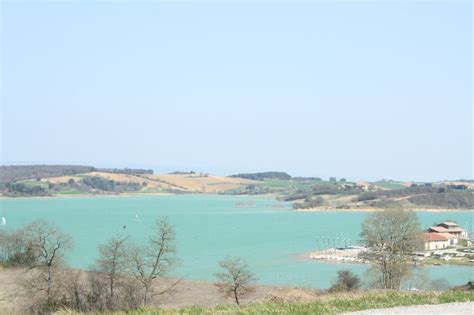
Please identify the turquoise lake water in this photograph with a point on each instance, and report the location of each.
(269, 236)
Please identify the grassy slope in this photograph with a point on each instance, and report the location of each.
(292, 185)
(155, 183)
(197, 183)
(389, 185)
(326, 305)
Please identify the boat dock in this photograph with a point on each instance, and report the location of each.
(348, 254)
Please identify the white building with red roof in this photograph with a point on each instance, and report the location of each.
(451, 228)
(434, 241)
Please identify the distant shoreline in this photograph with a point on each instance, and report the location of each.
(262, 196)
(126, 195)
(307, 194)
(67, 196)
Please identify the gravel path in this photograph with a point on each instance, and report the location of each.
(465, 308)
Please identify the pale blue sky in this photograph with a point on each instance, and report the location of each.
(361, 90)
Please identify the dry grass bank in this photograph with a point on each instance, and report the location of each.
(186, 293)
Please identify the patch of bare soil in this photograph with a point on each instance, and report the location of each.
(11, 292)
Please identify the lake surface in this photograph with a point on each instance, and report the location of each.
(268, 235)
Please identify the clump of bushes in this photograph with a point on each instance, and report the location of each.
(16, 250)
(99, 183)
(20, 189)
(264, 175)
(310, 202)
(346, 281)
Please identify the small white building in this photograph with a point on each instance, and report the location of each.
(434, 241)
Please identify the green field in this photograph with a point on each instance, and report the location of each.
(324, 305)
(32, 183)
(305, 185)
(389, 185)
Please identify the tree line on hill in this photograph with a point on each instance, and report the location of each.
(446, 196)
(99, 183)
(424, 196)
(396, 193)
(263, 175)
(452, 199)
(13, 173)
(126, 171)
(281, 176)
(87, 184)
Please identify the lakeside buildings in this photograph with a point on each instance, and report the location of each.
(443, 235)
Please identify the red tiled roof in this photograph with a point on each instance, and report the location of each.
(447, 235)
(433, 237)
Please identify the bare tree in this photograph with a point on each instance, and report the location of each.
(155, 260)
(96, 291)
(112, 262)
(73, 290)
(235, 280)
(49, 245)
(391, 235)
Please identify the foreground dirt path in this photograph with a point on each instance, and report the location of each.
(465, 308)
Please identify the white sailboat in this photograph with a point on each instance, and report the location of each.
(137, 218)
(3, 221)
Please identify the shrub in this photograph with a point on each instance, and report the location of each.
(99, 183)
(22, 189)
(310, 202)
(264, 175)
(346, 281)
(15, 249)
